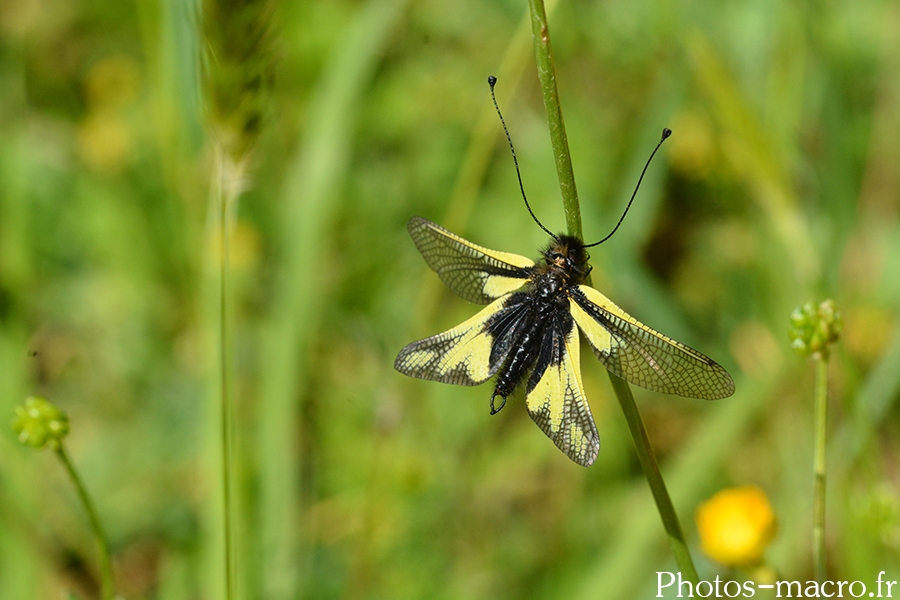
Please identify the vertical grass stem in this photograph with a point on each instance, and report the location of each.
(226, 188)
(820, 427)
(106, 580)
(654, 479)
(547, 75)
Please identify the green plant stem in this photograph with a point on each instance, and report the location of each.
(106, 581)
(226, 189)
(547, 75)
(654, 479)
(820, 426)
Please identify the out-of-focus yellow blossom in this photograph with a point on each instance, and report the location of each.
(245, 250)
(105, 135)
(869, 329)
(736, 525)
(104, 141)
(691, 151)
(113, 82)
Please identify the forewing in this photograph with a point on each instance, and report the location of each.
(555, 395)
(468, 354)
(474, 273)
(643, 356)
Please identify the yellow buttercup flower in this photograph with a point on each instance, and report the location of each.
(736, 525)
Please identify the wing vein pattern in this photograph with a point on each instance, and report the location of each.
(470, 353)
(555, 396)
(477, 274)
(643, 356)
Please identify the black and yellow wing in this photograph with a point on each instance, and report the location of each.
(474, 273)
(470, 353)
(643, 356)
(555, 396)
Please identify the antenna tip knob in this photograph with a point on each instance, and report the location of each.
(666, 132)
(492, 80)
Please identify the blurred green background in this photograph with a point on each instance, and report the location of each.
(780, 185)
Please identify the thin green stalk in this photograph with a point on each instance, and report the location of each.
(226, 189)
(106, 581)
(547, 76)
(238, 69)
(813, 328)
(654, 479)
(820, 429)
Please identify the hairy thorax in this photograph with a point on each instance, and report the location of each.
(545, 303)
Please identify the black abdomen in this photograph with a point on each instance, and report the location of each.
(543, 302)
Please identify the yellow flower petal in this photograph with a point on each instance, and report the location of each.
(736, 525)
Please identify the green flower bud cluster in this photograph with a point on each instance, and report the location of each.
(813, 328)
(39, 423)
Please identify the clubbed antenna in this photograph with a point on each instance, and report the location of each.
(491, 81)
(665, 133)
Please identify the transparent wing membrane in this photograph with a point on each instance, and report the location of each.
(469, 354)
(474, 273)
(643, 356)
(555, 395)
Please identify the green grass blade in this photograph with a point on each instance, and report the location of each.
(311, 204)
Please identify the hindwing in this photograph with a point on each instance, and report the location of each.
(642, 356)
(555, 396)
(474, 273)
